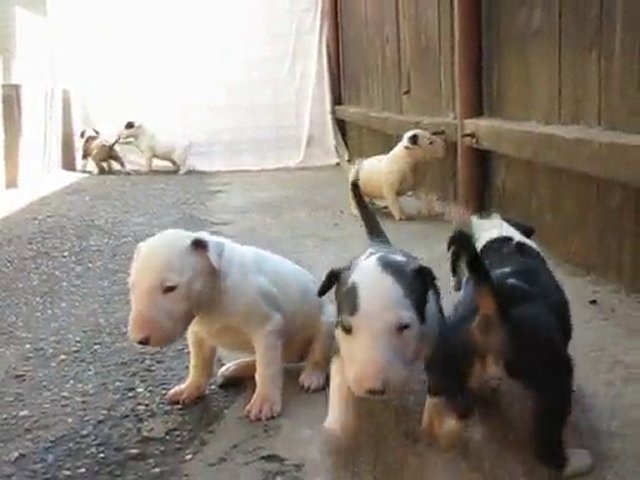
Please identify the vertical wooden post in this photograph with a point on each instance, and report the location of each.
(468, 87)
(12, 120)
(330, 14)
(68, 153)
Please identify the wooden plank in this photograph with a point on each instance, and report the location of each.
(628, 241)
(420, 57)
(12, 121)
(393, 123)
(523, 77)
(330, 16)
(447, 95)
(380, 55)
(364, 142)
(579, 194)
(68, 146)
(620, 88)
(634, 281)
(581, 40)
(352, 44)
(610, 201)
(603, 154)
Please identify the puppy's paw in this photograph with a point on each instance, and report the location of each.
(263, 406)
(339, 425)
(313, 379)
(579, 462)
(399, 216)
(186, 393)
(440, 424)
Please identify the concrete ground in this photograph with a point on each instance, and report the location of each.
(78, 401)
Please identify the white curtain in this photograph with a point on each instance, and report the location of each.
(245, 81)
(41, 102)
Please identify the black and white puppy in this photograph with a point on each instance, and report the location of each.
(512, 319)
(382, 305)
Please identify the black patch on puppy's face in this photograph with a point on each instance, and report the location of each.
(129, 125)
(414, 279)
(348, 300)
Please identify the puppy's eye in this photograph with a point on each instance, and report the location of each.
(169, 288)
(401, 327)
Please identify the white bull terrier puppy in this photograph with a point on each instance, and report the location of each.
(236, 297)
(401, 171)
(383, 299)
(138, 135)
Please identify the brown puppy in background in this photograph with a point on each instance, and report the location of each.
(100, 151)
(402, 170)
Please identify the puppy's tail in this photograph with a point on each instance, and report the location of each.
(113, 144)
(373, 227)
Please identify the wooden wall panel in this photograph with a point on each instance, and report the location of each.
(522, 79)
(620, 88)
(422, 79)
(580, 56)
(556, 62)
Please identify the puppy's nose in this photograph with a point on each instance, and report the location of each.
(375, 392)
(144, 340)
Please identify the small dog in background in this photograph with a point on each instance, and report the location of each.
(401, 171)
(101, 152)
(138, 135)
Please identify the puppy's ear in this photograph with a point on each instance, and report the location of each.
(136, 254)
(211, 247)
(527, 230)
(331, 279)
(433, 312)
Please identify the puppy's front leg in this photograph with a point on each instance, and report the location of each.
(266, 402)
(148, 160)
(340, 413)
(552, 409)
(439, 423)
(393, 203)
(201, 357)
(176, 165)
(314, 375)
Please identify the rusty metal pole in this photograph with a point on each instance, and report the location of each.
(330, 14)
(468, 87)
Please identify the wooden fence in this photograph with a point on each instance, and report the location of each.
(560, 110)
